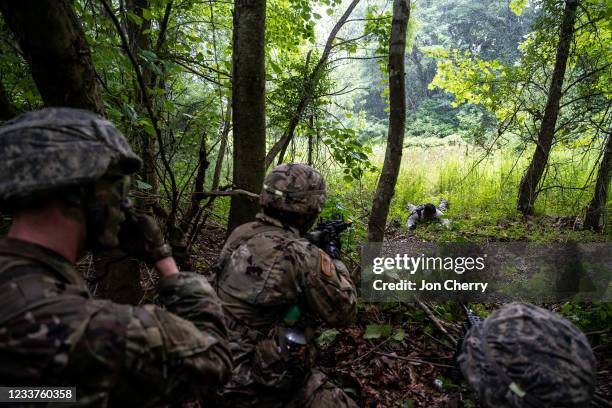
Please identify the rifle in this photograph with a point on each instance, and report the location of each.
(326, 235)
(471, 319)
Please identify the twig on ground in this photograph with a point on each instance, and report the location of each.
(413, 360)
(366, 353)
(437, 322)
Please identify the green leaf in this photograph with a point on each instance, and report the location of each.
(329, 11)
(375, 331)
(147, 14)
(134, 18)
(399, 335)
(517, 6)
(327, 337)
(143, 186)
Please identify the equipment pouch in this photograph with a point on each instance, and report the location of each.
(278, 364)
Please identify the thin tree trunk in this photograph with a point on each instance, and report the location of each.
(307, 89)
(596, 208)
(140, 40)
(248, 107)
(531, 179)
(310, 140)
(222, 147)
(397, 122)
(198, 187)
(55, 47)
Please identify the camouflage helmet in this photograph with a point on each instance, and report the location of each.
(526, 356)
(294, 188)
(51, 148)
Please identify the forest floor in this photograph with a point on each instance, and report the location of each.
(395, 355)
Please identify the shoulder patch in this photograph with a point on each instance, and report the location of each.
(327, 268)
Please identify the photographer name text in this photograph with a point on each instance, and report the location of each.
(423, 285)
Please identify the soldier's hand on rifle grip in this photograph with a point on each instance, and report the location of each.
(141, 237)
(333, 248)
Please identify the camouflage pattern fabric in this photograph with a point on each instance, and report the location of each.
(58, 147)
(53, 333)
(264, 270)
(417, 214)
(294, 188)
(524, 356)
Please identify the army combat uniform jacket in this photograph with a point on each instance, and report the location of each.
(52, 333)
(265, 269)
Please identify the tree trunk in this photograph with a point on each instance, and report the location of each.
(248, 107)
(310, 140)
(140, 40)
(397, 122)
(198, 187)
(55, 47)
(596, 208)
(222, 147)
(529, 184)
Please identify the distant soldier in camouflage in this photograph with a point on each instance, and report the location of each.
(63, 176)
(427, 212)
(523, 356)
(275, 285)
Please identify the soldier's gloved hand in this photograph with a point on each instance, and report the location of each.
(333, 248)
(141, 237)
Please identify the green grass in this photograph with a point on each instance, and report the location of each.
(482, 190)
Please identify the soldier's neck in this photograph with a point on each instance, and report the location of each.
(51, 229)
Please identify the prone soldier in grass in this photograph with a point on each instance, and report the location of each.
(427, 212)
(275, 285)
(64, 179)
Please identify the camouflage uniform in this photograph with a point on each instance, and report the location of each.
(266, 269)
(523, 356)
(417, 214)
(52, 333)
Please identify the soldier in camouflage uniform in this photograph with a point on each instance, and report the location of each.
(523, 356)
(275, 285)
(63, 176)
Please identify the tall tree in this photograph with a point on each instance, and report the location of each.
(597, 206)
(55, 47)
(397, 122)
(139, 37)
(308, 88)
(529, 184)
(248, 106)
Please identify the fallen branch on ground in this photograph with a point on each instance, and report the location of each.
(412, 360)
(437, 322)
